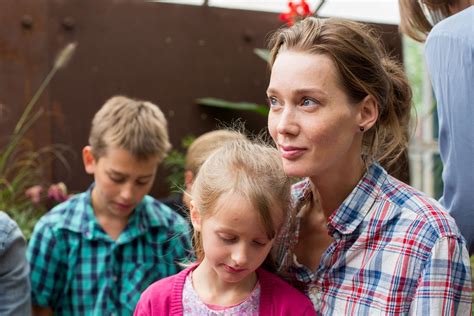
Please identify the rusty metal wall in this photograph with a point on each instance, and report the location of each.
(168, 54)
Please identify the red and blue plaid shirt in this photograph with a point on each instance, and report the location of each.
(395, 251)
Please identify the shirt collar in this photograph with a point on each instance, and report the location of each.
(85, 222)
(355, 207)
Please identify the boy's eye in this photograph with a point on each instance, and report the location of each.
(141, 183)
(117, 179)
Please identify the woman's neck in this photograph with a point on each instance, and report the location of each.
(333, 188)
(212, 290)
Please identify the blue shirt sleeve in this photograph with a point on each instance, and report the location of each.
(14, 269)
(449, 53)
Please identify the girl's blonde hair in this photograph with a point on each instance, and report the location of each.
(364, 68)
(248, 168)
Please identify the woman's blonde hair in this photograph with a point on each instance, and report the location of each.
(134, 125)
(248, 168)
(364, 68)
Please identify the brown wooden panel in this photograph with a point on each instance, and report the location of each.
(169, 54)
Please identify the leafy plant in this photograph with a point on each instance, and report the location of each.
(22, 165)
(174, 163)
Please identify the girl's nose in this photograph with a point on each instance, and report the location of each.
(240, 256)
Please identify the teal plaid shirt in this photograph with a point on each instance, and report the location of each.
(77, 269)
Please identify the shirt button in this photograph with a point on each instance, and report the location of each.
(115, 279)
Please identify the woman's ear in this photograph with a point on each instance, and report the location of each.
(88, 159)
(368, 113)
(195, 216)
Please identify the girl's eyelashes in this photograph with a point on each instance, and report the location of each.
(259, 243)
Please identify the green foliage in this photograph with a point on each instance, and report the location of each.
(174, 163)
(22, 165)
(244, 106)
(241, 106)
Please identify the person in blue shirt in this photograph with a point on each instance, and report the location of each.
(14, 269)
(449, 53)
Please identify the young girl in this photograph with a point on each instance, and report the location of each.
(239, 201)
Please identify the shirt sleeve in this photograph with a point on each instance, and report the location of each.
(444, 286)
(449, 53)
(47, 274)
(178, 248)
(14, 270)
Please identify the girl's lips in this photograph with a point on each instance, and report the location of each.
(290, 152)
(232, 270)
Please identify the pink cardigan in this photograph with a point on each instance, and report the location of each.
(277, 297)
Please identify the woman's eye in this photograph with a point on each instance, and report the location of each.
(259, 243)
(309, 102)
(142, 183)
(272, 101)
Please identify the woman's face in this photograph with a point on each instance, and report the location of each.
(311, 120)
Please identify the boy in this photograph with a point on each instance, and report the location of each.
(95, 253)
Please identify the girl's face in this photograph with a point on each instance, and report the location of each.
(234, 240)
(311, 120)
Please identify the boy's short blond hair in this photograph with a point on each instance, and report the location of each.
(205, 145)
(134, 125)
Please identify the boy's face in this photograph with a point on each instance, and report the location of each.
(121, 181)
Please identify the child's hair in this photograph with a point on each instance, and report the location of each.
(364, 68)
(248, 168)
(204, 145)
(134, 125)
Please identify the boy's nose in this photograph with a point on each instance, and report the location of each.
(126, 193)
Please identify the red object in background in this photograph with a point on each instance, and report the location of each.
(297, 11)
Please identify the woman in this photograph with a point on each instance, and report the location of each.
(362, 242)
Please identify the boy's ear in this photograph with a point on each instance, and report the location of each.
(88, 159)
(195, 216)
(368, 112)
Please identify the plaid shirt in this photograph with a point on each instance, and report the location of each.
(77, 269)
(395, 252)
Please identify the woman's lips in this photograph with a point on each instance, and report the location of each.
(291, 153)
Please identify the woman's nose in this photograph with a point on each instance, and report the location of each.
(287, 121)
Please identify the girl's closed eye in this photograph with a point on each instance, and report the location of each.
(260, 243)
(227, 238)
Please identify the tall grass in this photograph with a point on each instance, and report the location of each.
(22, 165)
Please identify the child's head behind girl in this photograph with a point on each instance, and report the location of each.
(239, 201)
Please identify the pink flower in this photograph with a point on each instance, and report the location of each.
(58, 192)
(34, 193)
